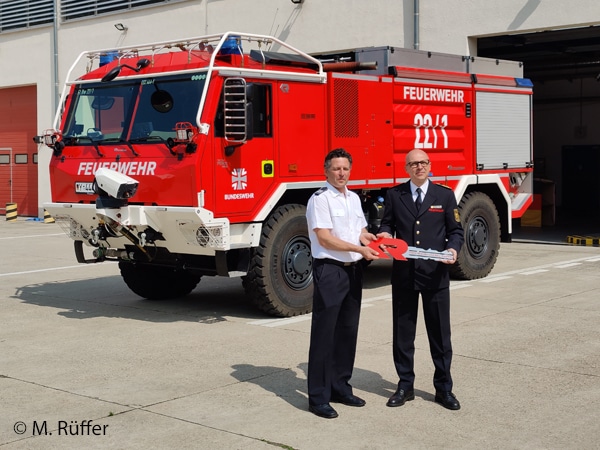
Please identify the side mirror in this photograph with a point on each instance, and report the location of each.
(112, 74)
(115, 71)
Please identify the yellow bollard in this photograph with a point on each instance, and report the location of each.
(47, 217)
(11, 212)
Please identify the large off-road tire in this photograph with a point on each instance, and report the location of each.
(279, 280)
(157, 282)
(481, 224)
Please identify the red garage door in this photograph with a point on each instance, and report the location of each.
(18, 152)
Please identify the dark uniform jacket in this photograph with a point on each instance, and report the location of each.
(436, 226)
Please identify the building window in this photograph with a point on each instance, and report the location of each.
(19, 14)
(21, 158)
(77, 9)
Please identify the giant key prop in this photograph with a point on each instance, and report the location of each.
(399, 249)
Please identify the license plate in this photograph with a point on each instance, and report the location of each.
(84, 188)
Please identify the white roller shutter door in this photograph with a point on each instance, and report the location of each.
(503, 122)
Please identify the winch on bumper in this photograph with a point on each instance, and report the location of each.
(155, 234)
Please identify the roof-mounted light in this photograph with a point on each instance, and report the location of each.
(523, 82)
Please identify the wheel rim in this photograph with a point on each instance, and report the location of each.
(297, 263)
(478, 237)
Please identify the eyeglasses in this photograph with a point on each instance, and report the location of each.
(415, 164)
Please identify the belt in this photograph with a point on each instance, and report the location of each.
(338, 263)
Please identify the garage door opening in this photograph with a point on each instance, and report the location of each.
(18, 158)
(564, 66)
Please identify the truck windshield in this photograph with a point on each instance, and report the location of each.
(141, 110)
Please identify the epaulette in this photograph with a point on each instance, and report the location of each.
(320, 191)
(445, 185)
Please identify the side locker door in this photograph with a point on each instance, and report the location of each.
(377, 117)
(300, 129)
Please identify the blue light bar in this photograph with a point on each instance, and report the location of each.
(232, 46)
(524, 82)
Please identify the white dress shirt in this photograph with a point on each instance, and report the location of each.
(342, 214)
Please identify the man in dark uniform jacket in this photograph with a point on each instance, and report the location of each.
(425, 215)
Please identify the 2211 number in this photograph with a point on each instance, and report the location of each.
(426, 131)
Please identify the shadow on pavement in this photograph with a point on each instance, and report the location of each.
(212, 301)
(285, 383)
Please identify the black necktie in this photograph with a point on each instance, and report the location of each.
(418, 199)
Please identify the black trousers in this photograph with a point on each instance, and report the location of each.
(436, 312)
(334, 330)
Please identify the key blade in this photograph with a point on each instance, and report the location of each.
(435, 255)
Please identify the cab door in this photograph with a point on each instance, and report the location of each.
(243, 134)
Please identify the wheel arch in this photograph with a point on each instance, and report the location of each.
(492, 186)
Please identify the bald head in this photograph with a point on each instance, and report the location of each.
(417, 166)
(416, 155)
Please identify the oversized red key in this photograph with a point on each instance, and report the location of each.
(400, 250)
(394, 247)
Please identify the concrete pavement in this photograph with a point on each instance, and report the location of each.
(85, 363)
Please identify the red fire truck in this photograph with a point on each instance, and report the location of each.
(197, 157)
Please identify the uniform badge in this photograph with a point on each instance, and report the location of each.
(456, 216)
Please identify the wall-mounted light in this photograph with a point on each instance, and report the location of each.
(297, 2)
(119, 26)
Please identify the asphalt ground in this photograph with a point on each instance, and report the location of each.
(85, 363)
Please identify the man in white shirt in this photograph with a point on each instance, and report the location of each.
(337, 228)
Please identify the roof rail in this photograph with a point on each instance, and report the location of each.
(255, 45)
(212, 43)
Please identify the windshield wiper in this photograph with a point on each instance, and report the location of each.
(120, 141)
(153, 139)
(93, 142)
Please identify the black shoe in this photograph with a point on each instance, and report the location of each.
(325, 410)
(400, 397)
(448, 400)
(348, 400)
